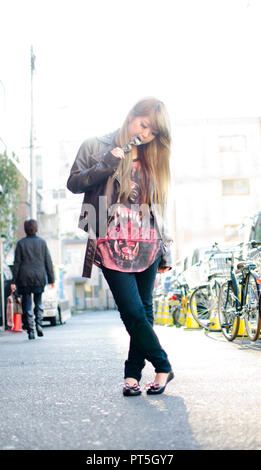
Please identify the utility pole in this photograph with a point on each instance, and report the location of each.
(33, 208)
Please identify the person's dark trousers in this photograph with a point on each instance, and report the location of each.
(133, 293)
(29, 314)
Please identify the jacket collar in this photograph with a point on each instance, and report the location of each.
(109, 139)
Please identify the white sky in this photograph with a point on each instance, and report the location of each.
(95, 59)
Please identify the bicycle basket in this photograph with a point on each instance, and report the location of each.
(220, 264)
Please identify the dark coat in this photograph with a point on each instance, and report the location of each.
(33, 267)
(91, 174)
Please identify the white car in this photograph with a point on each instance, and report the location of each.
(55, 310)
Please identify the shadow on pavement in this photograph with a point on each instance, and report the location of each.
(162, 423)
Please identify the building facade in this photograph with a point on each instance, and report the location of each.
(217, 174)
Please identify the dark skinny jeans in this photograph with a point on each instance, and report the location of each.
(132, 293)
(29, 314)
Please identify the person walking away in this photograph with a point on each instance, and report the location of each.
(32, 269)
(128, 170)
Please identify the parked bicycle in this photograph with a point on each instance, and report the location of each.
(179, 293)
(204, 298)
(239, 298)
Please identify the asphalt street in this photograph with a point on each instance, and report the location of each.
(64, 391)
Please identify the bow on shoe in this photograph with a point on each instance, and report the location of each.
(131, 390)
(152, 386)
(156, 389)
(129, 387)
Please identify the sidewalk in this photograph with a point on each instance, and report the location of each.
(64, 391)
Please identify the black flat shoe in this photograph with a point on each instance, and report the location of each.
(131, 391)
(156, 389)
(30, 335)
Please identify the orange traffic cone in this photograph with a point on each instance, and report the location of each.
(17, 323)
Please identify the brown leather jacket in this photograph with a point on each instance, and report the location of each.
(91, 174)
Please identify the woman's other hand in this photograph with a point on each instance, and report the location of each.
(164, 270)
(118, 153)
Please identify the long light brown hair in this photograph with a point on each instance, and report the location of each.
(154, 156)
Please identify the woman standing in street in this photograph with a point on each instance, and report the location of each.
(125, 177)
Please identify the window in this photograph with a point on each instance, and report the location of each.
(232, 143)
(59, 194)
(235, 186)
(91, 291)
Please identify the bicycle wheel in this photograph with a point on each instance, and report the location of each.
(251, 308)
(229, 321)
(201, 306)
